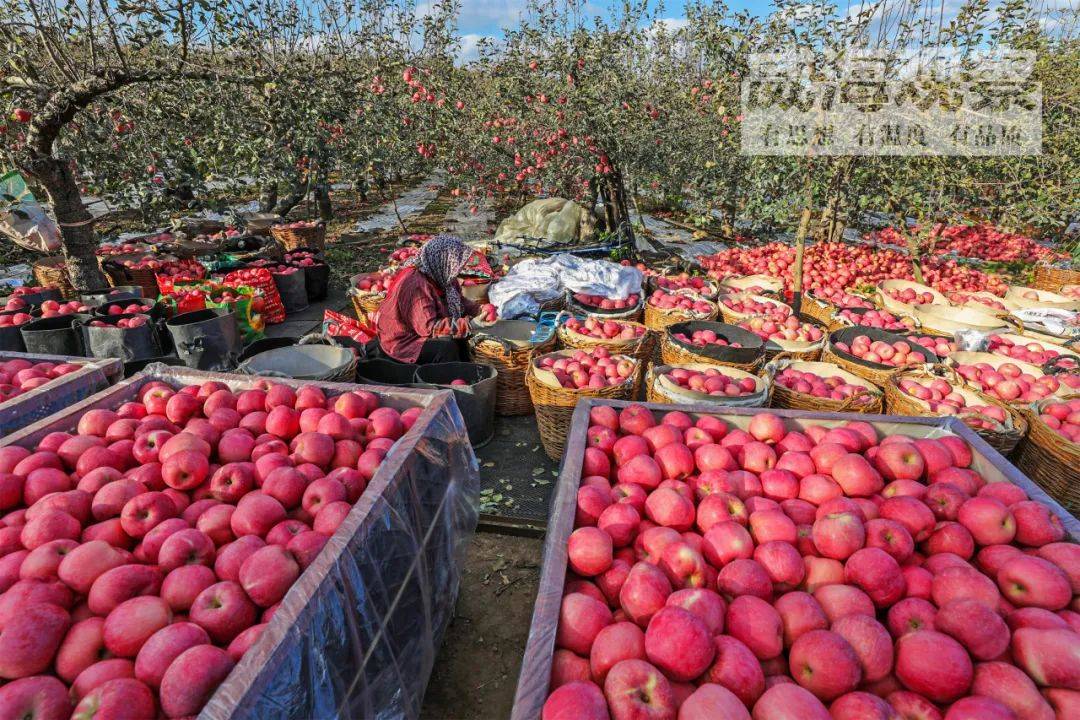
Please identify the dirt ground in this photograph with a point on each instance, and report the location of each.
(476, 672)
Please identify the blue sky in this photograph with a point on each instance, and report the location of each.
(485, 18)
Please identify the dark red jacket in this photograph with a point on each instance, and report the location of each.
(408, 315)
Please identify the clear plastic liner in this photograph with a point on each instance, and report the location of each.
(357, 635)
(63, 392)
(532, 689)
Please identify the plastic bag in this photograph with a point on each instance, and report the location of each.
(23, 218)
(252, 324)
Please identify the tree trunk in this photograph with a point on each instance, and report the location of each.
(322, 201)
(268, 196)
(75, 221)
(296, 194)
(800, 251)
(616, 209)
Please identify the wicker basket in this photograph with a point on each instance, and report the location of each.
(836, 322)
(874, 372)
(783, 397)
(657, 319)
(995, 361)
(554, 406)
(742, 283)
(52, 272)
(632, 314)
(300, 237)
(1048, 277)
(672, 353)
(366, 304)
(511, 360)
(656, 392)
(1051, 461)
(734, 318)
(1044, 299)
(898, 402)
(640, 348)
(710, 290)
(891, 305)
(146, 278)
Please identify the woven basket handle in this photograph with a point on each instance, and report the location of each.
(318, 339)
(1052, 366)
(777, 363)
(479, 337)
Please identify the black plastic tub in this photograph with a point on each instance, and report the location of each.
(385, 372)
(752, 345)
(55, 335)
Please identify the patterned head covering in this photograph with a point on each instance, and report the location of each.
(442, 258)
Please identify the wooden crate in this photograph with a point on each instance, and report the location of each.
(532, 689)
(54, 396)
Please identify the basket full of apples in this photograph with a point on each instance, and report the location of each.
(823, 303)
(300, 234)
(702, 382)
(874, 354)
(1051, 453)
(752, 284)
(739, 307)
(795, 338)
(1028, 297)
(1024, 349)
(903, 295)
(708, 341)
(627, 308)
(941, 391)
(618, 336)
(897, 322)
(156, 310)
(806, 385)
(557, 380)
(703, 286)
(1011, 381)
(664, 308)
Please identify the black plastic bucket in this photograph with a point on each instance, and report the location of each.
(292, 288)
(385, 372)
(475, 400)
(11, 339)
(55, 335)
(317, 281)
(124, 344)
(207, 339)
(37, 298)
(99, 296)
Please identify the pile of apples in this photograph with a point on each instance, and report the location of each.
(689, 304)
(1010, 383)
(684, 280)
(839, 266)
(832, 387)
(701, 338)
(15, 319)
(841, 298)
(1063, 418)
(589, 369)
(941, 398)
(881, 319)
(746, 305)
(19, 376)
(896, 354)
(52, 308)
(145, 552)
(712, 381)
(978, 241)
(129, 309)
(941, 346)
(375, 282)
(1031, 352)
(959, 298)
(790, 328)
(718, 573)
(910, 296)
(122, 323)
(404, 254)
(603, 303)
(605, 329)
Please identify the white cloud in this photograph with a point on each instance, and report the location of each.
(469, 47)
(481, 14)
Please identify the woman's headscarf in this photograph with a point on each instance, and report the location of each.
(442, 258)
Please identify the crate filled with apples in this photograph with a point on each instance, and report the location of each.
(1011, 381)
(789, 565)
(14, 318)
(705, 338)
(33, 386)
(1063, 417)
(697, 382)
(880, 319)
(155, 533)
(27, 296)
(593, 369)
